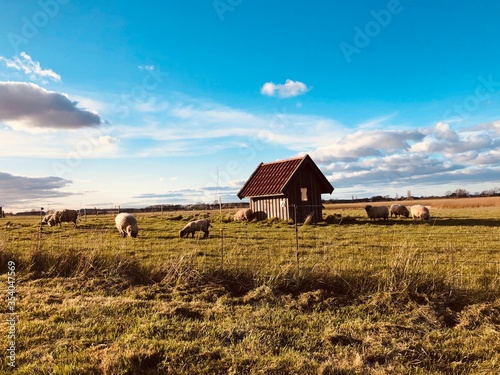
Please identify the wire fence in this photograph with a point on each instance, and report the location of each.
(467, 259)
(465, 252)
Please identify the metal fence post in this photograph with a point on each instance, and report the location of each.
(296, 237)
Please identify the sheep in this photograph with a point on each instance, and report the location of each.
(399, 210)
(194, 226)
(62, 216)
(47, 217)
(52, 220)
(126, 224)
(67, 216)
(244, 214)
(380, 212)
(419, 211)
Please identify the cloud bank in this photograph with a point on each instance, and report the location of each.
(287, 90)
(22, 190)
(24, 63)
(29, 106)
(381, 161)
(375, 154)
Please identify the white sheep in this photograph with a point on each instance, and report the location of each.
(194, 226)
(47, 217)
(380, 212)
(419, 212)
(126, 224)
(52, 221)
(399, 210)
(245, 214)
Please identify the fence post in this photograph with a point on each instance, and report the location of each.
(222, 247)
(41, 218)
(296, 238)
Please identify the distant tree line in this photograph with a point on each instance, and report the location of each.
(464, 193)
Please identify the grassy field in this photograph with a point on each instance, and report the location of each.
(341, 297)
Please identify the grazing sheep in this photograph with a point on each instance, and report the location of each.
(420, 212)
(62, 216)
(194, 226)
(46, 218)
(67, 216)
(380, 212)
(244, 214)
(126, 224)
(52, 220)
(399, 210)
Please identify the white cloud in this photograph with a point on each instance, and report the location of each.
(31, 68)
(287, 90)
(376, 162)
(451, 144)
(75, 145)
(107, 140)
(362, 143)
(487, 158)
(443, 131)
(146, 67)
(492, 128)
(29, 106)
(205, 127)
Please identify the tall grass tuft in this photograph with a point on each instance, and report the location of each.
(79, 263)
(408, 274)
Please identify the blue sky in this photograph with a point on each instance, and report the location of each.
(118, 103)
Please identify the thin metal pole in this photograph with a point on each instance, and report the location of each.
(41, 218)
(296, 237)
(222, 247)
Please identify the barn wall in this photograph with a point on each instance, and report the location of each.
(271, 206)
(305, 179)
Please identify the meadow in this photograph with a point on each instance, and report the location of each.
(344, 296)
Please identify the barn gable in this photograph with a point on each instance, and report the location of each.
(275, 189)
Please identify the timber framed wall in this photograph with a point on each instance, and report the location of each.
(268, 207)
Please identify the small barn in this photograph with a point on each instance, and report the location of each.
(277, 189)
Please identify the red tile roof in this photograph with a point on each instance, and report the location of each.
(272, 178)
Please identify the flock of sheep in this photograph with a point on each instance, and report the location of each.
(382, 212)
(127, 224)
